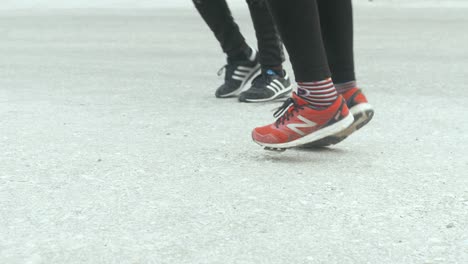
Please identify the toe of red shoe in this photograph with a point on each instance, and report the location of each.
(261, 136)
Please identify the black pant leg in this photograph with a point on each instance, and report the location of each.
(217, 15)
(336, 19)
(270, 46)
(299, 26)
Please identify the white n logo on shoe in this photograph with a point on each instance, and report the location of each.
(307, 123)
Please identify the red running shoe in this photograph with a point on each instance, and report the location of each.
(362, 112)
(299, 124)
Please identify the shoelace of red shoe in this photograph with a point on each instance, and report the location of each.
(286, 111)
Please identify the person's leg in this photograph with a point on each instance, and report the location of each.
(242, 61)
(299, 26)
(316, 111)
(301, 34)
(218, 17)
(270, 47)
(273, 82)
(336, 20)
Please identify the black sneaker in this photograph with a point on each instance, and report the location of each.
(238, 74)
(266, 87)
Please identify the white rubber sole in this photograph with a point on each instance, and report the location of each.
(362, 114)
(250, 76)
(361, 108)
(283, 93)
(312, 137)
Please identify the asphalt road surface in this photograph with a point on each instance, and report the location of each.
(113, 148)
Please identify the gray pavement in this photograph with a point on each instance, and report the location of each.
(114, 149)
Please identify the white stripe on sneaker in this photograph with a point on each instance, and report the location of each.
(273, 88)
(279, 84)
(235, 77)
(243, 68)
(240, 73)
(276, 86)
(253, 54)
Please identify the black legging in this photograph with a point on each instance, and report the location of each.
(336, 20)
(217, 15)
(318, 35)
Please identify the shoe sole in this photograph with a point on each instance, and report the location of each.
(363, 114)
(252, 74)
(313, 137)
(284, 93)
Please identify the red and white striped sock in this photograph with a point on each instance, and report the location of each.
(342, 88)
(319, 94)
